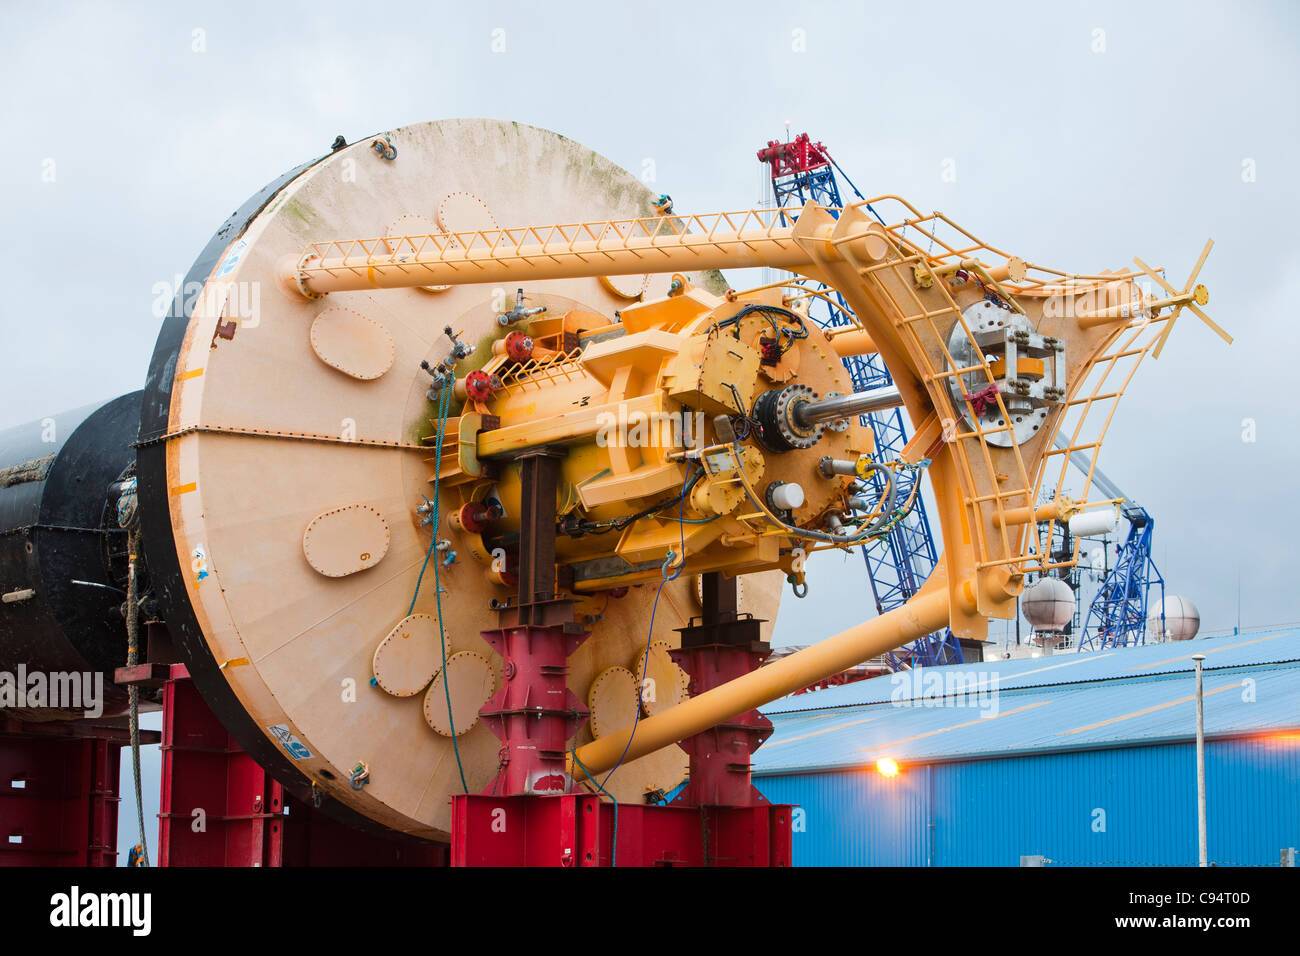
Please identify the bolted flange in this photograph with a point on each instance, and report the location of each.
(779, 427)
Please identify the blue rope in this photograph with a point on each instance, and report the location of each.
(640, 687)
(444, 405)
(649, 638)
(613, 851)
(432, 544)
(600, 785)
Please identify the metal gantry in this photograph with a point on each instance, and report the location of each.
(898, 564)
(1117, 616)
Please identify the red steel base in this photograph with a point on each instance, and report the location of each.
(58, 794)
(719, 819)
(579, 829)
(720, 756)
(534, 713)
(220, 808)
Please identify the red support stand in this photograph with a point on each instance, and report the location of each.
(537, 820)
(534, 713)
(58, 781)
(220, 808)
(721, 755)
(721, 647)
(581, 829)
(58, 793)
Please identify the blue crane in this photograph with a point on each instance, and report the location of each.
(898, 564)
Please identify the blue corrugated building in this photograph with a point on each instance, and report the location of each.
(1085, 759)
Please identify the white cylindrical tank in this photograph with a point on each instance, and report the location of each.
(1101, 521)
(1048, 605)
(1181, 620)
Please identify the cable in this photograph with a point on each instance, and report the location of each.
(600, 785)
(444, 405)
(649, 638)
(617, 524)
(432, 545)
(853, 187)
(785, 337)
(681, 516)
(613, 849)
(697, 520)
(640, 691)
(133, 689)
(871, 530)
(744, 415)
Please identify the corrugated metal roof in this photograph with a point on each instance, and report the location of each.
(1265, 647)
(1064, 702)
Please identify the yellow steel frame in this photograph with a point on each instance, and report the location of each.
(896, 279)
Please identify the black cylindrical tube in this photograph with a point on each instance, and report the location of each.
(62, 552)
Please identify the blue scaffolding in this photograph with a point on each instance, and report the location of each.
(899, 563)
(1118, 614)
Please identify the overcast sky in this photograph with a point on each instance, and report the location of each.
(1081, 134)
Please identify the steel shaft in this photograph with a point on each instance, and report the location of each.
(835, 408)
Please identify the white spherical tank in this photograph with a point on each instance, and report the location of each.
(1048, 605)
(1181, 620)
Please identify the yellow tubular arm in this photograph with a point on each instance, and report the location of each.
(925, 613)
(728, 240)
(616, 247)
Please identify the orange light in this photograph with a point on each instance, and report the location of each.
(887, 766)
(1282, 737)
